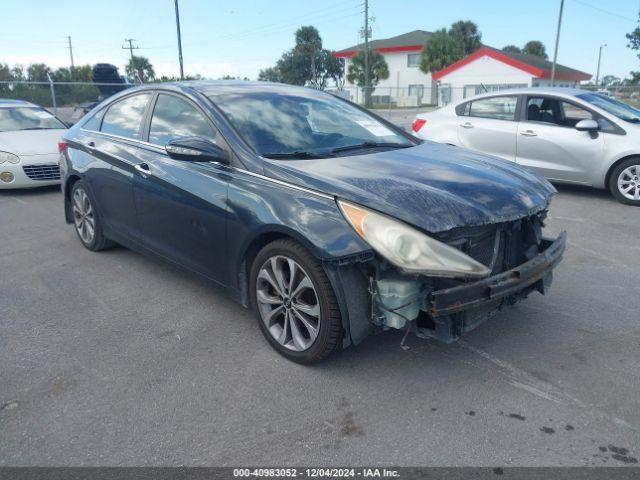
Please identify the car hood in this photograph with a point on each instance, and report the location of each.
(31, 142)
(433, 186)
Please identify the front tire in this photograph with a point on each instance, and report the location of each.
(294, 302)
(86, 219)
(624, 182)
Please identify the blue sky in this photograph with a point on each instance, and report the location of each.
(240, 37)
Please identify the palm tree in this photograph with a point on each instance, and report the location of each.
(139, 69)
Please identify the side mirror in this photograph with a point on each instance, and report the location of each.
(587, 126)
(196, 149)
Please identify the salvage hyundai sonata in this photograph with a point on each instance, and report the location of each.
(326, 220)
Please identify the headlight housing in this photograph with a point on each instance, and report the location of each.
(8, 157)
(409, 249)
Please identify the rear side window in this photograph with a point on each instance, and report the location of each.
(124, 118)
(174, 117)
(499, 108)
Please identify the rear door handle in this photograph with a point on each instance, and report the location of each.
(466, 125)
(91, 144)
(143, 169)
(529, 133)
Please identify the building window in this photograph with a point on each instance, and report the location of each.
(413, 60)
(471, 90)
(416, 90)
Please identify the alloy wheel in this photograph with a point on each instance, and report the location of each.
(288, 303)
(83, 216)
(629, 182)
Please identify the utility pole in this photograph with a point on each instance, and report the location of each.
(179, 41)
(70, 51)
(131, 48)
(555, 53)
(599, 58)
(367, 80)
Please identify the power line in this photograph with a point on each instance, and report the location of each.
(608, 12)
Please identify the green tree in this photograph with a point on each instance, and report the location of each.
(308, 42)
(378, 70)
(467, 34)
(536, 48)
(441, 50)
(306, 63)
(139, 69)
(511, 49)
(270, 74)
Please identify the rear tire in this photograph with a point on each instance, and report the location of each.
(624, 182)
(86, 219)
(294, 303)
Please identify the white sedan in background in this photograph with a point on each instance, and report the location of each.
(29, 138)
(567, 135)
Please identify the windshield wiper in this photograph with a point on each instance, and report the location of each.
(40, 128)
(365, 145)
(302, 154)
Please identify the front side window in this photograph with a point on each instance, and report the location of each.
(174, 117)
(413, 60)
(300, 124)
(124, 118)
(615, 107)
(499, 108)
(13, 119)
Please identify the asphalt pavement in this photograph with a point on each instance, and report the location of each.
(114, 358)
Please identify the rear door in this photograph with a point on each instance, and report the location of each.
(488, 125)
(181, 205)
(112, 140)
(548, 142)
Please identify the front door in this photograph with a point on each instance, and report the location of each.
(549, 143)
(112, 141)
(182, 206)
(489, 126)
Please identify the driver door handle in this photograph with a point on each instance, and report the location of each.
(529, 133)
(143, 169)
(466, 125)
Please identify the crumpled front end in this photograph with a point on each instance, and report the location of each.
(521, 262)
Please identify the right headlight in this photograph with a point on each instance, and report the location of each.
(9, 157)
(409, 249)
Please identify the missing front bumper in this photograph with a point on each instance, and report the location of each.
(534, 274)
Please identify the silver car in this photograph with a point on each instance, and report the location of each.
(567, 135)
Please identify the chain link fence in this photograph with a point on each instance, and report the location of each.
(71, 100)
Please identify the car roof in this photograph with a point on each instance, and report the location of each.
(222, 87)
(10, 102)
(560, 91)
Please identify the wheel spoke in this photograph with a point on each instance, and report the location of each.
(311, 328)
(282, 339)
(304, 284)
(276, 268)
(311, 310)
(269, 318)
(264, 297)
(296, 335)
(293, 272)
(267, 276)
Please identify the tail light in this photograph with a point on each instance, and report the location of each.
(62, 146)
(417, 124)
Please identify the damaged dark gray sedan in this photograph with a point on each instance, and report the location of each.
(326, 220)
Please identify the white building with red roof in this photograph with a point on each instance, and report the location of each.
(487, 69)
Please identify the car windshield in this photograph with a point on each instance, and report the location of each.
(613, 106)
(13, 119)
(305, 125)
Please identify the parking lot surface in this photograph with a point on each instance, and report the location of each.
(113, 358)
